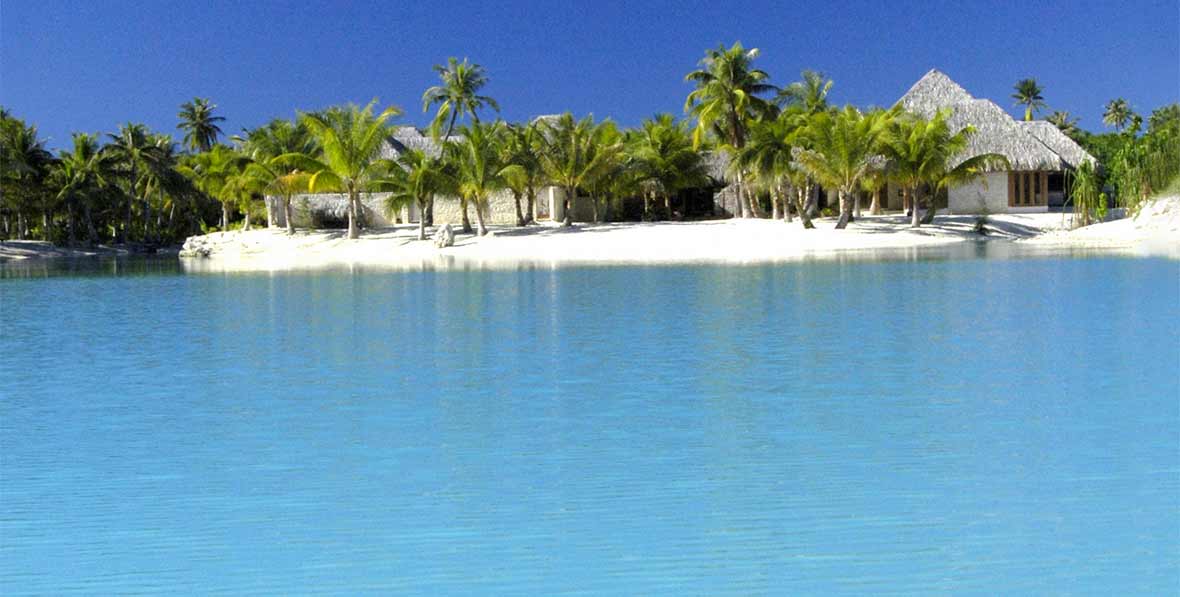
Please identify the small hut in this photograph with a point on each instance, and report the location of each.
(1039, 154)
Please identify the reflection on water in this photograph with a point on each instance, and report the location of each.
(937, 422)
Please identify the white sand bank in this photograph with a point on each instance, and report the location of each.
(1154, 231)
(724, 241)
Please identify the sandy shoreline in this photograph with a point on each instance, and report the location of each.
(1154, 232)
(717, 241)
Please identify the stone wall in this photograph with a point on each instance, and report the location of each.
(986, 194)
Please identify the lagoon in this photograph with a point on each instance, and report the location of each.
(945, 422)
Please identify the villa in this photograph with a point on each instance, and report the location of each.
(1039, 154)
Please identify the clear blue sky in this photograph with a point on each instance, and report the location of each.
(88, 66)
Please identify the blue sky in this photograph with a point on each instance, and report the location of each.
(88, 66)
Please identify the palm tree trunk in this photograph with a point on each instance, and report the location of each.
(422, 219)
(21, 229)
(70, 222)
(354, 231)
(91, 234)
(875, 208)
(246, 222)
(289, 214)
(801, 207)
(776, 212)
(123, 236)
(567, 218)
(466, 219)
(667, 206)
(532, 206)
(594, 208)
(855, 205)
(519, 214)
(224, 216)
(427, 214)
(909, 199)
(46, 229)
(147, 219)
(845, 210)
(647, 206)
(483, 229)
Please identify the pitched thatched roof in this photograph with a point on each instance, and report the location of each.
(1069, 150)
(716, 163)
(408, 137)
(996, 130)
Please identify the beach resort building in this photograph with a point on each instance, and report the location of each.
(327, 210)
(1040, 156)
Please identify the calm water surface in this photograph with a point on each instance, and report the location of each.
(916, 426)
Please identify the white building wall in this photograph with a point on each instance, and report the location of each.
(986, 194)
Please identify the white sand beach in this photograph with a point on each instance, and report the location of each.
(1154, 231)
(718, 241)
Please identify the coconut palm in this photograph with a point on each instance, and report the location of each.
(810, 93)
(1064, 122)
(664, 155)
(24, 165)
(926, 153)
(131, 149)
(523, 172)
(767, 157)
(267, 147)
(82, 174)
(160, 178)
(478, 167)
(606, 146)
(417, 180)
(1028, 94)
(457, 96)
(350, 139)
(1117, 114)
(726, 99)
(199, 124)
(569, 157)
(211, 172)
(841, 147)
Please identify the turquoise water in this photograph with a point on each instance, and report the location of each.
(919, 426)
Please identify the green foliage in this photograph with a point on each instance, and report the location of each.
(199, 124)
(1086, 192)
(1028, 94)
(457, 96)
(726, 97)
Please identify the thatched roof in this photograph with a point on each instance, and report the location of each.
(1046, 132)
(996, 130)
(409, 137)
(716, 163)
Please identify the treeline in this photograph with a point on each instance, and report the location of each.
(775, 143)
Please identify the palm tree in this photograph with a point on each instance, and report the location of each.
(841, 148)
(1064, 122)
(24, 165)
(211, 172)
(569, 157)
(131, 148)
(523, 173)
(350, 139)
(419, 178)
(1117, 114)
(478, 168)
(458, 95)
(1028, 94)
(925, 152)
(810, 93)
(161, 178)
(726, 100)
(82, 174)
(664, 155)
(266, 146)
(606, 147)
(199, 124)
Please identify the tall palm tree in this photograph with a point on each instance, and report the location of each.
(1028, 94)
(606, 146)
(569, 157)
(810, 93)
(457, 96)
(1117, 114)
(417, 180)
(83, 172)
(1064, 122)
(663, 152)
(131, 149)
(266, 146)
(925, 152)
(199, 124)
(726, 99)
(842, 147)
(350, 139)
(161, 178)
(24, 165)
(211, 172)
(478, 167)
(523, 172)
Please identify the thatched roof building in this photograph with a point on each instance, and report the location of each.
(1038, 153)
(1027, 145)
